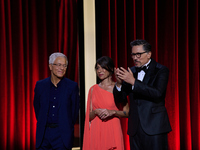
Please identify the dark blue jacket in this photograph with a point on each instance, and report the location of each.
(68, 109)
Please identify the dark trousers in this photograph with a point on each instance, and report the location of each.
(142, 141)
(52, 140)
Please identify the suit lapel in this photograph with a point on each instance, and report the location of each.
(150, 71)
(62, 94)
(47, 91)
(134, 72)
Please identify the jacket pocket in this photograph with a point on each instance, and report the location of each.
(158, 109)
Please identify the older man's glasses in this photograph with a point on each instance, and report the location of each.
(60, 65)
(138, 55)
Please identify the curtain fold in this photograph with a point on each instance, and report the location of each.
(172, 28)
(29, 32)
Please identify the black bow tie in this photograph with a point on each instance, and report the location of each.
(138, 69)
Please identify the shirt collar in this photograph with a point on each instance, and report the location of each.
(147, 64)
(59, 83)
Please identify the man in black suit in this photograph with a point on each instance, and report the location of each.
(146, 85)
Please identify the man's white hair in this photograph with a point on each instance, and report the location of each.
(53, 57)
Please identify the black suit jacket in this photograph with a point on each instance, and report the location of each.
(147, 100)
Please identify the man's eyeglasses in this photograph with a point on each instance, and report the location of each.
(138, 55)
(59, 65)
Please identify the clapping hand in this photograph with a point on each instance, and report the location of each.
(123, 74)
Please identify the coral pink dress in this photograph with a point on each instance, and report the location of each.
(98, 134)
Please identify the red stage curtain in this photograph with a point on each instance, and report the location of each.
(171, 27)
(29, 32)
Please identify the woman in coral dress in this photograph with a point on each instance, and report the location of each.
(102, 124)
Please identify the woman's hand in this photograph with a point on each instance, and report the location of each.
(104, 113)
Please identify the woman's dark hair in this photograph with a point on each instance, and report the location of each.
(106, 63)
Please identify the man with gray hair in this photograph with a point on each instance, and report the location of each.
(56, 104)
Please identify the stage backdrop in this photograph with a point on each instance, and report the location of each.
(30, 30)
(172, 28)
